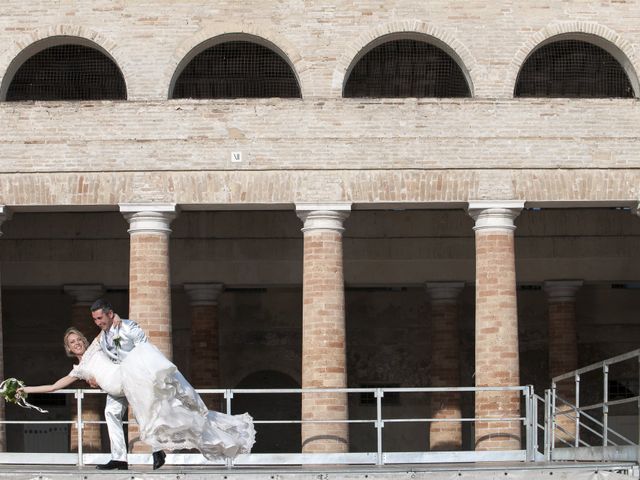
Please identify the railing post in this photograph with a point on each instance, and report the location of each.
(79, 424)
(228, 395)
(379, 393)
(552, 415)
(528, 408)
(535, 445)
(605, 405)
(548, 425)
(577, 382)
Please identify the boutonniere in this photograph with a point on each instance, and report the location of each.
(117, 341)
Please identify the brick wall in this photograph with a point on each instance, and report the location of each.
(320, 39)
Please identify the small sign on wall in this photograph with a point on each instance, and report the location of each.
(236, 157)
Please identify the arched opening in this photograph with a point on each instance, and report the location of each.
(574, 68)
(271, 438)
(407, 67)
(236, 69)
(68, 71)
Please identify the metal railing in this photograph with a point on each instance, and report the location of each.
(380, 456)
(579, 431)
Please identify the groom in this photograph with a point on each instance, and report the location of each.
(116, 342)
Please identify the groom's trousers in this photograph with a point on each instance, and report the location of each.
(114, 411)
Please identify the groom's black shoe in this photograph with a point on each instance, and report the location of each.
(113, 465)
(158, 459)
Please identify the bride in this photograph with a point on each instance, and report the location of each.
(170, 413)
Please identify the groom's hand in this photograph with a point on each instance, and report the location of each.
(92, 381)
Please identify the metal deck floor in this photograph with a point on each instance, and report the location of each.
(484, 471)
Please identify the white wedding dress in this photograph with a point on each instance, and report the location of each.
(169, 412)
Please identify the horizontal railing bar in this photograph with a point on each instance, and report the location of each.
(595, 406)
(429, 420)
(622, 401)
(94, 391)
(598, 365)
(37, 422)
(373, 390)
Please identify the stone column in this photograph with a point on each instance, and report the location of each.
(445, 365)
(149, 279)
(92, 405)
(205, 348)
(323, 328)
(496, 352)
(5, 214)
(563, 346)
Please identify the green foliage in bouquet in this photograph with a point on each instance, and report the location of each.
(9, 390)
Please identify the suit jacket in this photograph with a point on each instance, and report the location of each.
(129, 335)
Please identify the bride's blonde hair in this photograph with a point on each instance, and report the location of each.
(83, 339)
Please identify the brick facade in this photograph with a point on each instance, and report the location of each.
(148, 156)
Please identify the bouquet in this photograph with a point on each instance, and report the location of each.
(10, 391)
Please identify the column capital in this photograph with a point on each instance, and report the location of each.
(323, 216)
(84, 294)
(203, 293)
(562, 290)
(495, 215)
(149, 217)
(444, 292)
(5, 214)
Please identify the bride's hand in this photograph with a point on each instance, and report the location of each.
(117, 321)
(92, 382)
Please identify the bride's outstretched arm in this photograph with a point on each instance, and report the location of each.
(60, 384)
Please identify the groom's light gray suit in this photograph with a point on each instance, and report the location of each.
(129, 335)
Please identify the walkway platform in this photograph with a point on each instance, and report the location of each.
(491, 471)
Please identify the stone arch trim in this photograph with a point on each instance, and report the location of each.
(62, 30)
(581, 30)
(291, 53)
(465, 59)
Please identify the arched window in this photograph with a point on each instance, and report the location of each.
(237, 69)
(67, 72)
(406, 68)
(572, 68)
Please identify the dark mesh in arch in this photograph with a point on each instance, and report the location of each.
(237, 69)
(572, 68)
(406, 68)
(68, 72)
